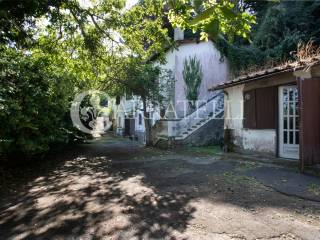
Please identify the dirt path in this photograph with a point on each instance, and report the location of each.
(115, 189)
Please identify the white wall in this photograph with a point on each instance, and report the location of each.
(214, 70)
(259, 140)
(248, 139)
(233, 107)
(139, 127)
(170, 60)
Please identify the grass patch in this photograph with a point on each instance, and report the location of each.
(245, 166)
(233, 178)
(315, 189)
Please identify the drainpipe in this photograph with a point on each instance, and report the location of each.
(301, 107)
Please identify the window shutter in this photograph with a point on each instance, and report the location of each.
(249, 101)
(266, 107)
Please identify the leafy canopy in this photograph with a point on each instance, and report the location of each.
(51, 50)
(211, 17)
(281, 27)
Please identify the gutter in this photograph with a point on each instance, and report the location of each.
(250, 79)
(266, 75)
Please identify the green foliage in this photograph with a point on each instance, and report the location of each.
(146, 80)
(281, 27)
(211, 18)
(93, 21)
(144, 29)
(51, 50)
(192, 75)
(133, 77)
(35, 97)
(240, 57)
(285, 25)
(16, 15)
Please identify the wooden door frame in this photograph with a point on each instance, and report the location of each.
(280, 122)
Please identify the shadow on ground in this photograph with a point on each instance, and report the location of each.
(90, 196)
(120, 189)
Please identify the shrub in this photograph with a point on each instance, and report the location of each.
(34, 103)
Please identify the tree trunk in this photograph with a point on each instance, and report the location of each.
(147, 123)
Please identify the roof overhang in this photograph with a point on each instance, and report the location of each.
(264, 74)
(249, 79)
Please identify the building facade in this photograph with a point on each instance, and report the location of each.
(183, 123)
(276, 112)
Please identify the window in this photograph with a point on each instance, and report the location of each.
(260, 108)
(119, 122)
(140, 119)
(104, 102)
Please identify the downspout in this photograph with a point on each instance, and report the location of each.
(301, 107)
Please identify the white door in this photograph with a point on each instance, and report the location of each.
(288, 122)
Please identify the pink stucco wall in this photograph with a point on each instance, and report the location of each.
(214, 70)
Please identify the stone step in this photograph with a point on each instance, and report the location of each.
(194, 127)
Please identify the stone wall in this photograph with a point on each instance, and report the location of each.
(209, 134)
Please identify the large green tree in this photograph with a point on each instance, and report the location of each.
(282, 25)
(51, 50)
(145, 32)
(35, 93)
(18, 17)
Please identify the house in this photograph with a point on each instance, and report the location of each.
(128, 117)
(185, 125)
(276, 112)
(213, 66)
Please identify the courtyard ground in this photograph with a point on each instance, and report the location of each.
(116, 189)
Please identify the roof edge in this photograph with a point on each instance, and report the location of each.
(249, 79)
(266, 74)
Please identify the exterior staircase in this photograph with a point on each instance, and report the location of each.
(202, 127)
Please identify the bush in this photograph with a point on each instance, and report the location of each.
(35, 98)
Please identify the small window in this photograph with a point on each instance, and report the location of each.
(104, 102)
(140, 119)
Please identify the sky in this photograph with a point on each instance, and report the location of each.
(130, 3)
